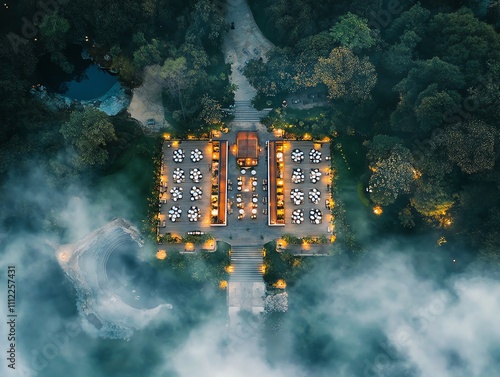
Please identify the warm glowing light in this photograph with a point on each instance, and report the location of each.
(223, 284)
(209, 245)
(416, 174)
(447, 222)
(229, 269)
(307, 137)
(281, 284)
(281, 244)
(333, 238)
(161, 254)
(263, 269)
(278, 132)
(166, 136)
(441, 241)
(189, 246)
(377, 210)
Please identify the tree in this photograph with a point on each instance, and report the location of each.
(275, 76)
(463, 40)
(54, 33)
(392, 176)
(176, 80)
(472, 145)
(211, 112)
(306, 53)
(148, 54)
(89, 131)
(414, 19)
(207, 25)
(432, 199)
(430, 107)
(352, 32)
(346, 75)
(399, 58)
(380, 148)
(427, 78)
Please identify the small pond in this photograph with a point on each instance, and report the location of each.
(86, 82)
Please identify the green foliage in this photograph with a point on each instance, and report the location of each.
(461, 39)
(433, 82)
(414, 20)
(283, 265)
(392, 176)
(201, 267)
(381, 147)
(406, 218)
(346, 75)
(207, 25)
(54, 34)
(399, 58)
(211, 112)
(352, 32)
(306, 54)
(432, 199)
(88, 131)
(473, 145)
(148, 54)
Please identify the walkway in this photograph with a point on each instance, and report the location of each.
(246, 292)
(246, 289)
(245, 112)
(247, 262)
(241, 44)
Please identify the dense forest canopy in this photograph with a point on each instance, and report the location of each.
(418, 82)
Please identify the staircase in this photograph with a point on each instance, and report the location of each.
(247, 262)
(245, 112)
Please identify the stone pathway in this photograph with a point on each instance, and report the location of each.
(246, 291)
(241, 44)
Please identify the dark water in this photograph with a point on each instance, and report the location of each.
(86, 82)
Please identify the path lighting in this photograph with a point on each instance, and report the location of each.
(447, 222)
(441, 241)
(223, 284)
(377, 210)
(161, 254)
(281, 284)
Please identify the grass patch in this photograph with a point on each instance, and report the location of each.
(201, 267)
(283, 265)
